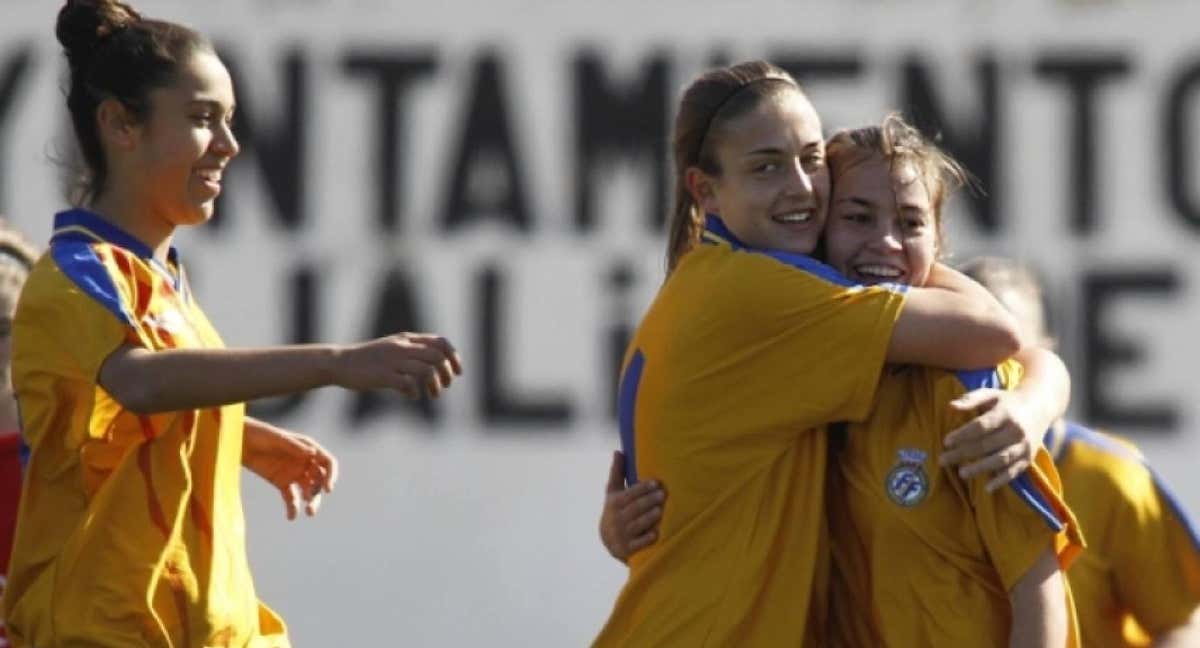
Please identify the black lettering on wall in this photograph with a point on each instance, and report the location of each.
(486, 181)
(620, 122)
(395, 73)
(1082, 74)
(396, 310)
(1105, 354)
(278, 146)
(1177, 136)
(976, 145)
(16, 68)
(302, 296)
(500, 406)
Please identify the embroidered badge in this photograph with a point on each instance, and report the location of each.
(907, 484)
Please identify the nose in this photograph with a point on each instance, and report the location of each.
(225, 143)
(800, 183)
(887, 238)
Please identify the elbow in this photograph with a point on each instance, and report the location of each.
(134, 397)
(1001, 341)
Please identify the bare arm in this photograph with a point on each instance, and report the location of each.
(161, 381)
(1002, 440)
(299, 467)
(953, 323)
(1039, 605)
(1181, 636)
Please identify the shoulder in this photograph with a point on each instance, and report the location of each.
(1115, 461)
(88, 271)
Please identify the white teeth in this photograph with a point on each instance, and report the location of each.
(878, 271)
(794, 217)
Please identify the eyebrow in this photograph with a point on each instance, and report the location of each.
(775, 150)
(862, 202)
(212, 104)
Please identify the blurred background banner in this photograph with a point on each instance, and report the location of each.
(497, 172)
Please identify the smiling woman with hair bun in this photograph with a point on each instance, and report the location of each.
(131, 530)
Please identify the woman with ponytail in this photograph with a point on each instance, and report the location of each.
(131, 530)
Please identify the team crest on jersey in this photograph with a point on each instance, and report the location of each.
(907, 483)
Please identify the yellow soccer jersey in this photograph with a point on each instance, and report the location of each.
(1141, 573)
(922, 557)
(130, 531)
(741, 356)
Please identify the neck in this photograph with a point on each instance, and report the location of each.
(136, 219)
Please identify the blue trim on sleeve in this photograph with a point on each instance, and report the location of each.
(78, 261)
(626, 408)
(1079, 433)
(973, 379)
(1029, 493)
(715, 225)
(23, 452)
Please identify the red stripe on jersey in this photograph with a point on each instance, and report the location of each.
(147, 428)
(174, 578)
(155, 508)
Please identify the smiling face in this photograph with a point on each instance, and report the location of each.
(772, 184)
(882, 223)
(186, 143)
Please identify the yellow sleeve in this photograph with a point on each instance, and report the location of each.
(803, 340)
(1156, 566)
(75, 310)
(1018, 522)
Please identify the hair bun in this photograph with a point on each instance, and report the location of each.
(82, 24)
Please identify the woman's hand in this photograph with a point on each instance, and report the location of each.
(410, 363)
(1004, 438)
(293, 463)
(1000, 442)
(630, 518)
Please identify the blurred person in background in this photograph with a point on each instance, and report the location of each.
(17, 257)
(1138, 583)
(130, 529)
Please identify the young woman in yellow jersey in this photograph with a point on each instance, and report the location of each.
(749, 347)
(131, 530)
(977, 568)
(1138, 582)
(860, 192)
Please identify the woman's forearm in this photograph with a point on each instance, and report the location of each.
(161, 381)
(1039, 605)
(1045, 385)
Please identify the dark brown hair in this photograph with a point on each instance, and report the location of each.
(114, 53)
(900, 144)
(713, 99)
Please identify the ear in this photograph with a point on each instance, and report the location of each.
(116, 125)
(702, 187)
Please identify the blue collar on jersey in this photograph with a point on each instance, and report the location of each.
(717, 233)
(86, 226)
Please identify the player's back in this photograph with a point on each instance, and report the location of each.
(1141, 572)
(738, 359)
